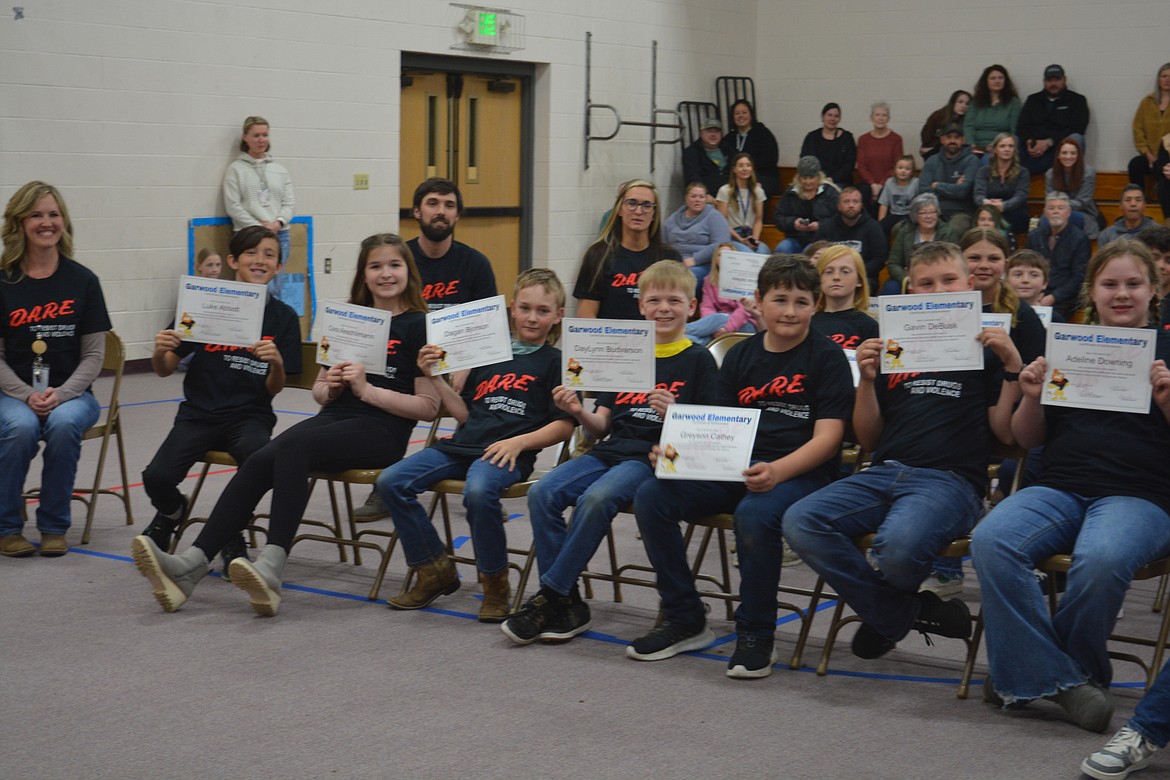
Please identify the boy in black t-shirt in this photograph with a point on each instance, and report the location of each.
(228, 390)
(931, 435)
(603, 481)
(802, 384)
(506, 415)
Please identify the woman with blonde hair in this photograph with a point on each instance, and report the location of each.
(1004, 183)
(257, 190)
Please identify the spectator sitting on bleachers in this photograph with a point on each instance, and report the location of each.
(1053, 113)
(857, 230)
(1151, 122)
(746, 215)
(899, 190)
(988, 216)
(877, 152)
(834, 147)
(1077, 179)
(951, 177)
(1004, 183)
(923, 225)
(951, 113)
(1162, 175)
(704, 161)
(1067, 249)
(751, 137)
(810, 200)
(995, 109)
(696, 229)
(1133, 219)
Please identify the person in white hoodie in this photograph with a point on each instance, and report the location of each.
(257, 190)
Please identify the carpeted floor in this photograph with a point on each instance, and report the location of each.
(99, 682)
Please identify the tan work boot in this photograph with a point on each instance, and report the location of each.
(431, 580)
(497, 597)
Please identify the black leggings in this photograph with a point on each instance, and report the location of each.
(321, 443)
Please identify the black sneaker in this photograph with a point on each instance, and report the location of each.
(668, 639)
(162, 528)
(753, 657)
(570, 617)
(236, 548)
(869, 644)
(525, 626)
(950, 618)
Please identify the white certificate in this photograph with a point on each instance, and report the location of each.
(931, 332)
(706, 442)
(1044, 313)
(739, 274)
(875, 307)
(470, 334)
(992, 320)
(608, 355)
(851, 356)
(357, 334)
(1094, 367)
(216, 311)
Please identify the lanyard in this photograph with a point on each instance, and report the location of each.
(745, 200)
(740, 140)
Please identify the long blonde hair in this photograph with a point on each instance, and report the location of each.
(22, 203)
(713, 274)
(1006, 299)
(836, 252)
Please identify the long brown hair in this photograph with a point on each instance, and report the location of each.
(982, 97)
(601, 254)
(1063, 179)
(1111, 251)
(359, 291)
(22, 203)
(1006, 300)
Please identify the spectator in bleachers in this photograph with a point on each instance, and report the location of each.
(877, 152)
(857, 230)
(1004, 183)
(1162, 175)
(950, 114)
(1151, 122)
(750, 136)
(834, 147)
(988, 216)
(1077, 179)
(995, 109)
(899, 190)
(746, 215)
(1133, 219)
(704, 161)
(810, 200)
(1049, 115)
(950, 176)
(1067, 249)
(696, 229)
(1157, 239)
(924, 225)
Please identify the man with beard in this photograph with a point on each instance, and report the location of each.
(853, 227)
(1066, 248)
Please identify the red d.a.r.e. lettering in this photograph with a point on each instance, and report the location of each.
(641, 399)
(47, 311)
(509, 381)
(440, 290)
(777, 388)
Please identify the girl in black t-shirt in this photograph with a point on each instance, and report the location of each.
(52, 340)
(364, 423)
(843, 308)
(1103, 496)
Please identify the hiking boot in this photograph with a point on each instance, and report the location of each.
(942, 585)
(373, 509)
(668, 639)
(260, 579)
(869, 644)
(753, 657)
(172, 577)
(16, 546)
(951, 618)
(434, 579)
(570, 618)
(53, 545)
(162, 528)
(497, 597)
(1090, 707)
(1127, 752)
(236, 548)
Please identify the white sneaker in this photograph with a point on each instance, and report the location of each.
(790, 557)
(1127, 752)
(942, 585)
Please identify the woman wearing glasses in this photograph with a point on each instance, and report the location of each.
(630, 242)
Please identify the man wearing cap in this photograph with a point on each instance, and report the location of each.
(1048, 117)
(950, 175)
(704, 161)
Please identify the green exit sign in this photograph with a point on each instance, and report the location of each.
(488, 25)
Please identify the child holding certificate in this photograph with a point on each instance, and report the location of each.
(931, 435)
(603, 481)
(364, 423)
(803, 387)
(506, 416)
(843, 308)
(228, 390)
(1103, 495)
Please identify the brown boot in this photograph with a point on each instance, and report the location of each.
(497, 597)
(431, 580)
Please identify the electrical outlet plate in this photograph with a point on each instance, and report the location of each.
(361, 181)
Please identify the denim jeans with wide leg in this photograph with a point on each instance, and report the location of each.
(600, 492)
(914, 513)
(1151, 717)
(1030, 653)
(400, 485)
(21, 432)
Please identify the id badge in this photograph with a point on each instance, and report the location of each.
(40, 379)
(265, 197)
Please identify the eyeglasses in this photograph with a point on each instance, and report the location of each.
(928, 213)
(639, 205)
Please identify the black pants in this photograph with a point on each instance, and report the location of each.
(321, 443)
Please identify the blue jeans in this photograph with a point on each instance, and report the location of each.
(915, 512)
(1030, 653)
(761, 248)
(400, 485)
(702, 330)
(600, 492)
(661, 505)
(1151, 718)
(21, 432)
(792, 246)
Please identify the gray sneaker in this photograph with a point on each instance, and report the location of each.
(172, 577)
(372, 510)
(1127, 752)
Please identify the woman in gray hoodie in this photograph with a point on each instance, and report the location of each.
(696, 229)
(256, 189)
